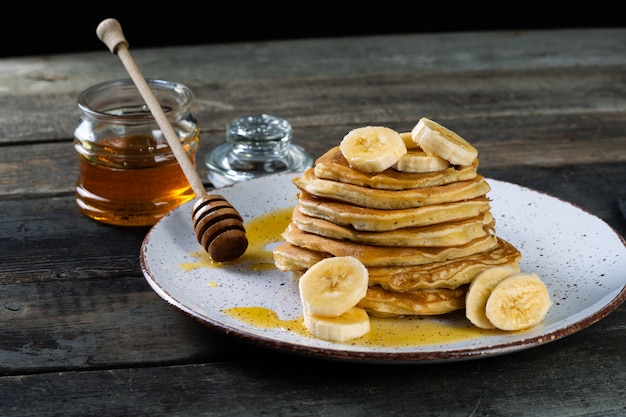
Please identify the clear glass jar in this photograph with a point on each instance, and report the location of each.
(256, 145)
(128, 174)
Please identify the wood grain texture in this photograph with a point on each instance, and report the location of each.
(82, 332)
(286, 385)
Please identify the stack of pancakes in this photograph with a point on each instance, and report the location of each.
(422, 236)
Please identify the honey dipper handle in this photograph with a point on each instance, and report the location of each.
(110, 32)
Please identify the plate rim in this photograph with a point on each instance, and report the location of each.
(369, 356)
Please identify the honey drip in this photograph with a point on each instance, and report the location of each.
(263, 232)
(385, 332)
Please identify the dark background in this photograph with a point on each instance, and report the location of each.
(51, 28)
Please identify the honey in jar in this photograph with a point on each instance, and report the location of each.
(128, 174)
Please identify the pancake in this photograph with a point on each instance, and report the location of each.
(447, 274)
(442, 234)
(376, 220)
(333, 166)
(288, 257)
(386, 199)
(382, 303)
(371, 255)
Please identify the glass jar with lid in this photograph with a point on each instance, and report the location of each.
(256, 145)
(128, 173)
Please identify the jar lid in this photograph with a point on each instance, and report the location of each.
(256, 145)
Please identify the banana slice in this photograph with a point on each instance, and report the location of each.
(479, 291)
(372, 148)
(416, 161)
(352, 324)
(333, 286)
(518, 302)
(407, 137)
(436, 139)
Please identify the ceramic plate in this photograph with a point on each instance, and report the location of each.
(581, 259)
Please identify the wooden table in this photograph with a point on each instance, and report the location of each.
(82, 333)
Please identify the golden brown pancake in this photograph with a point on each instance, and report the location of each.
(443, 234)
(447, 274)
(288, 257)
(371, 255)
(383, 303)
(367, 219)
(333, 166)
(386, 199)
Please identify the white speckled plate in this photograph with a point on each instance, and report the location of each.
(581, 259)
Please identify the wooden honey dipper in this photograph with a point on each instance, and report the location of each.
(218, 226)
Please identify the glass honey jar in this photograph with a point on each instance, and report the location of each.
(128, 174)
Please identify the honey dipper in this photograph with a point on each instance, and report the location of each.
(218, 226)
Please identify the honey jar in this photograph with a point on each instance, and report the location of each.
(128, 174)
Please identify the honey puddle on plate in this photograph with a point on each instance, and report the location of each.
(385, 332)
(265, 230)
(262, 232)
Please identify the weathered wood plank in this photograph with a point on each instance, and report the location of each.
(449, 52)
(286, 385)
(356, 100)
(101, 322)
(46, 239)
(444, 75)
(504, 142)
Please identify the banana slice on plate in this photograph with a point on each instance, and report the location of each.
(479, 291)
(333, 286)
(518, 302)
(436, 139)
(372, 148)
(352, 324)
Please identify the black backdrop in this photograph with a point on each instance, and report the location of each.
(51, 28)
